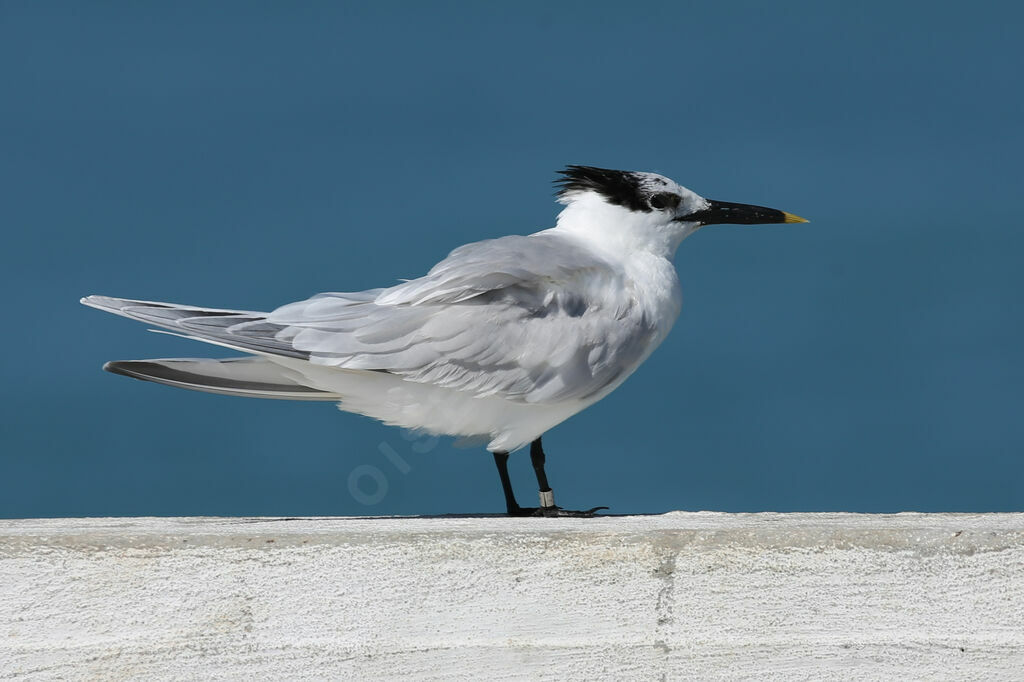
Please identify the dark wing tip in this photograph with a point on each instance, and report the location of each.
(119, 367)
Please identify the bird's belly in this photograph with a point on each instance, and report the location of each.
(505, 424)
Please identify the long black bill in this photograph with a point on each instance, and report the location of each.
(720, 212)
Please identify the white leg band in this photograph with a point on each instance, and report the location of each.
(547, 498)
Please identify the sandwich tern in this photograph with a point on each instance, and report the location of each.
(500, 341)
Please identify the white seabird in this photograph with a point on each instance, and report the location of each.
(500, 341)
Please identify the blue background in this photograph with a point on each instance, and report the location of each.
(246, 155)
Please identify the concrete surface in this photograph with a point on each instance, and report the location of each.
(677, 596)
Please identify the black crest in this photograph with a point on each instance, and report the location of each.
(621, 188)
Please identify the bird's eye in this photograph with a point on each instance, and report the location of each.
(663, 200)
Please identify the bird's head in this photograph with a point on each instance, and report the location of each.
(638, 210)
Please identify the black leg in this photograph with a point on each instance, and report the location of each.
(513, 508)
(537, 459)
(547, 497)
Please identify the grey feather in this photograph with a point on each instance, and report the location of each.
(248, 376)
(239, 329)
(529, 318)
(525, 318)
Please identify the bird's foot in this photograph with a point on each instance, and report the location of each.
(550, 509)
(554, 511)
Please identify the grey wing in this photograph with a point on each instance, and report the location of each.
(239, 329)
(535, 319)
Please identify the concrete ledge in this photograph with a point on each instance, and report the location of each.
(680, 595)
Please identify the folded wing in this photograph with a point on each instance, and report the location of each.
(527, 318)
(533, 319)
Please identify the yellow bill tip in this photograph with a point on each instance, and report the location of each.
(791, 218)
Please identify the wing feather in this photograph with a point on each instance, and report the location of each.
(534, 319)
